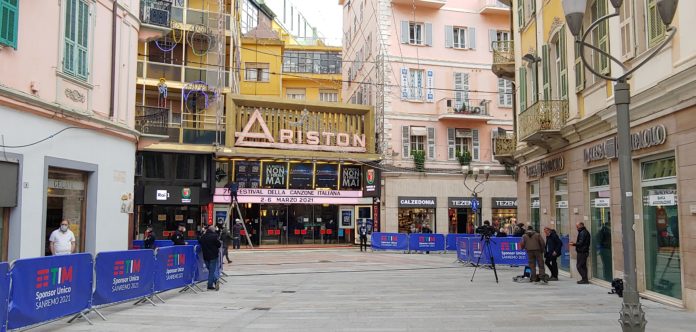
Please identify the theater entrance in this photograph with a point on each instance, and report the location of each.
(283, 224)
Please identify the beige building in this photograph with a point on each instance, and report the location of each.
(565, 148)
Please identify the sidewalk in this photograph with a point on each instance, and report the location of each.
(346, 290)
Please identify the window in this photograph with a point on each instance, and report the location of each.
(328, 95)
(250, 16)
(415, 84)
(9, 14)
(504, 93)
(459, 37)
(555, 72)
(415, 138)
(295, 94)
(600, 218)
(655, 28)
(461, 87)
(415, 33)
(499, 36)
(312, 62)
(600, 37)
(525, 11)
(258, 72)
(76, 41)
(460, 140)
(417, 141)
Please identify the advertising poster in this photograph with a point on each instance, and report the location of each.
(327, 176)
(389, 241)
(301, 176)
(247, 173)
(123, 275)
(346, 219)
(350, 177)
(274, 175)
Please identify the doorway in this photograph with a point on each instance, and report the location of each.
(65, 200)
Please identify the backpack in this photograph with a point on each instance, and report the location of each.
(617, 287)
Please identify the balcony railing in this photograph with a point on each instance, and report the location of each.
(469, 108)
(505, 145)
(152, 120)
(503, 52)
(493, 7)
(545, 116)
(156, 12)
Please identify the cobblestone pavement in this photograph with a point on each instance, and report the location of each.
(346, 290)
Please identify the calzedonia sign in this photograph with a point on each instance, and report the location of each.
(540, 168)
(419, 202)
(653, 136)
(297, 139)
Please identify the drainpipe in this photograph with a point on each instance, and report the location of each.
(112, 97)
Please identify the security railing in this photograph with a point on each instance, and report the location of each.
(544, 115)
(505, 145)
(151, 120)
(503, 52)
(467, 107)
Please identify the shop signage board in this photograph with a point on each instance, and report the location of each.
(602, 202)
(417, 202)
(653, 136)
(543, 167)
(462, 202)
(285, 196)
(535, 203)
(662, 200)
(562, 204)
(172, 195)
(504, 202)
(371, 181)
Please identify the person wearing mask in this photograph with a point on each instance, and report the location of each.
(534, 245)
(582, 247)
(62, 240)
(554, 245)
(225, 237)
(149, 241)
(362, 231)
(178, 236)
(210, 247)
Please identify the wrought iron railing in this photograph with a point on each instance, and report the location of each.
(151, 120)
(156, 12)
(544, 115)
(503, 52)
(505, 145)
(467, 107)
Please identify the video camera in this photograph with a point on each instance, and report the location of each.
(486, 231)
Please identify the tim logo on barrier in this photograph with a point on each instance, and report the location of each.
(476, 248)
(389, 240)
(126, 275)
(53, 286)
(511, 250)
(175, 266)
(426, 241)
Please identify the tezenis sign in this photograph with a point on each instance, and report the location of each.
(298, 139)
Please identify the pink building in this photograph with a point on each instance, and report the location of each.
(425, 66)
(67, 120)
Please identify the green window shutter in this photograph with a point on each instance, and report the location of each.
(9, 19)
(579, 70)
(534, 81)
(523, 89)
(546, 71)
(656, 29)
(76, 39)
(82, 39)
(603, 37)
(520, 13)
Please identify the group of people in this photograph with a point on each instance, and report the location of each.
(542, 252)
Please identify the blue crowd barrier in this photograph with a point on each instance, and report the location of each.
(201, 270)
(123, 275)
(426, 242)
(4, 294)
(451, 240)
(507, 251)
(47, 288)
(139, 244)
(192, 242)
(174, 267)
(389, 241)
(463, 249)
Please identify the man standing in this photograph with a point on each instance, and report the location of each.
(362, 231)
(62, 240)
(149, 241)
(178, 236)
(236, 233)
(582, 247)
(534, 244)
(554, 245)
(210, 247)
(225, 237)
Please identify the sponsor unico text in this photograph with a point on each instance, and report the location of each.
(126, 275)
(53, 286)
(175, 266)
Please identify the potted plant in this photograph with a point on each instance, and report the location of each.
(464, 157)
(419, 159)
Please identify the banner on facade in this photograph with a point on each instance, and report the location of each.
(389, 241)
(123, 275)
(426, 242)
(4, 294)
(174, 267)
(46, 288)
(451, 240)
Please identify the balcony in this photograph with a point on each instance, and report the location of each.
(493, 7)
(505, 147)
(151, 120)
(471, 109)
(504, 59)
(155, 19)
(422, 3)
(541, 123)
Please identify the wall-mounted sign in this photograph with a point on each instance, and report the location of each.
(662, 200)
(653, 136)
(172, 195)
(301, 176)
(503, 202)
(371, 181)
(274, 175)
(326, 176)
(535, 203)
(601, 202)
(562, 204)
(543, 167)
(247, 173)
(461, 202)
(350, 177)
(296, 139)
(417, 202)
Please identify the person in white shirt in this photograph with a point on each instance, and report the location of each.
(62, 240)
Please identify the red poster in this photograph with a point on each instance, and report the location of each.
(210, 213)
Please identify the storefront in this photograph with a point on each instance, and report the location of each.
(504, 213)
(167, 207)
(66, 200)
(416, 212)
(462, 217)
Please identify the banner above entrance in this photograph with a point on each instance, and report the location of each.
(285, 196)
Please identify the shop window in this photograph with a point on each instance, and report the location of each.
(600, 218)
(534, 213)
(560, 203)
(661, 227)
(412, 220)
(66, 200)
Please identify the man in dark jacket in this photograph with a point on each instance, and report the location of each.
(178, 236)
(225, 237)
(362, 231)
(534, 244)
(554, 245)
(149, 241)
(582, 247)
(236, 234)
(519, 230)
(210, 247)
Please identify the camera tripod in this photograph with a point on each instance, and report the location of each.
(486, 247)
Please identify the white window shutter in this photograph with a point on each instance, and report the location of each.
(458, 90)
(404, 32)
(564, 66)
(465, 86)
(472, 38)
(477, 145)
(404, 83)
(451, 154)
(492, 37)
(627, 33)
(449, 38)
(406, 141)
(429, 34)
(431, 143)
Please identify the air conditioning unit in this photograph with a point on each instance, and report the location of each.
(449, 102)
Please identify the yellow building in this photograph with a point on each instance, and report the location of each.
(274, 63)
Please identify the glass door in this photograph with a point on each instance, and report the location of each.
(560, 188)
(600, 218)
(534, 213)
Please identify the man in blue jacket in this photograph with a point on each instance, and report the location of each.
(553, 249)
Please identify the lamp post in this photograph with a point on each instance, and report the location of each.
(632, 317)
(480, 177)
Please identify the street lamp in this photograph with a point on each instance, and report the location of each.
(480, 176)
(632, 317)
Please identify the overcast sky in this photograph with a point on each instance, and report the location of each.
(325, 15)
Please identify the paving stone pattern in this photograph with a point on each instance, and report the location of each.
(346, 290)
